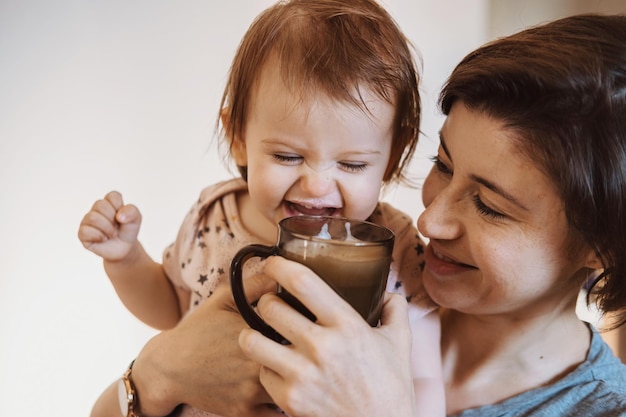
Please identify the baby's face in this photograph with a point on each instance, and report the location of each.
(314, 156)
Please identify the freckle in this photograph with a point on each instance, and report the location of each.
(541, 357)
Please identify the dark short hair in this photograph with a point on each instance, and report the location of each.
(561, 87)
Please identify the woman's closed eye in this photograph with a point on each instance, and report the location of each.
(481, 207)
(485, 210)
(441, 166)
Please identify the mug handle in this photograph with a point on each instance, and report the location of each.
(236, 285)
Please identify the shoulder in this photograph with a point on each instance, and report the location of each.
(220, 189)
(604, 366)
(596, 388)
(387, 215)
(209, 207)
(217, 192)
(405, 275)
(407, 238)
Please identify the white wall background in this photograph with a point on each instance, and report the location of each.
(98, 95)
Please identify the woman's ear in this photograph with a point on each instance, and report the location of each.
(237, 145)
(593, 261)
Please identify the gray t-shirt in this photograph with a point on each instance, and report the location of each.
(596, 388)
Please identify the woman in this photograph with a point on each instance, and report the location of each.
(524, 204)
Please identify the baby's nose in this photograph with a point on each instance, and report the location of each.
(317, 182)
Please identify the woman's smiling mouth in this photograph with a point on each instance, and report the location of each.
(442, 264)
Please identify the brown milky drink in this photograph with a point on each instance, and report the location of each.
(357, 273)
(352, 256)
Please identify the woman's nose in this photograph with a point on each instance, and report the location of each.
(441, 219)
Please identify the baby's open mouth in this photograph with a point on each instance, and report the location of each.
(312, 211)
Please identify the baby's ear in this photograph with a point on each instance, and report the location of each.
(236, 144)
(238, 152)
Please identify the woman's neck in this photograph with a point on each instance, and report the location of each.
(489, 359)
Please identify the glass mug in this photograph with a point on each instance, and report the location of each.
(352, 256)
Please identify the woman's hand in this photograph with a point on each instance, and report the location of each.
(199, 362)
(339, 365)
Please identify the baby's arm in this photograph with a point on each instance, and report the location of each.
(428, 383)
(110, 230)
(423, 317)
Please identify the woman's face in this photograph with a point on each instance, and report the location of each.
(497, 230)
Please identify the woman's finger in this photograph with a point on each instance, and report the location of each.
(255, 286)
(283, 318)
(281, 359)
(310, 290)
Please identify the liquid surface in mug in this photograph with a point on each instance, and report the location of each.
(357, 273)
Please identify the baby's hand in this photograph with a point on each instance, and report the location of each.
(110, 228)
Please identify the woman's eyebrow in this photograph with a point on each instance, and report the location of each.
(498, 190)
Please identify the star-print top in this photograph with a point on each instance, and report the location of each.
(212, 232)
